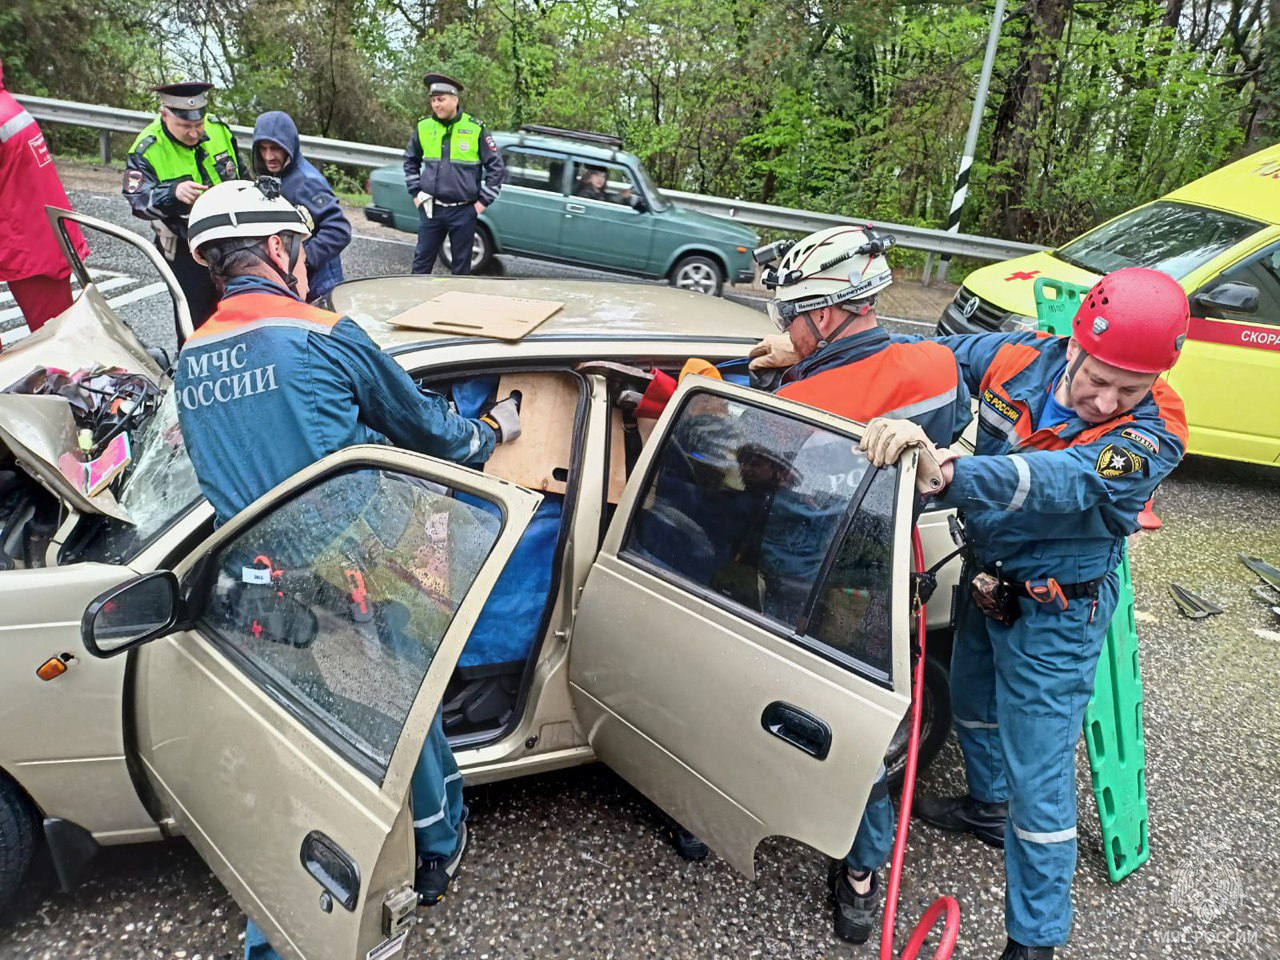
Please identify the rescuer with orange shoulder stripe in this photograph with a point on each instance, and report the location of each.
(268, 386)
(833, 355)
(1075, 433)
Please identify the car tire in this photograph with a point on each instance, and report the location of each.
(17, 838)
(935, 724)
(699, 274)
(481, 250)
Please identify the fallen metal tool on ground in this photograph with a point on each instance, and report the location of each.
(1191, 604)
(1265, 571)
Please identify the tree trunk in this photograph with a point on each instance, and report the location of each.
(1014, 136)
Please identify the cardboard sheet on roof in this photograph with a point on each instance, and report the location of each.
(478, 315)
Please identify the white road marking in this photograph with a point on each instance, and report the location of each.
(1267, 634)
(10, 337)
(116, 281)
(403, 243)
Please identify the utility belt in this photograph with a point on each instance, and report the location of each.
(997, 597)
(429, 203)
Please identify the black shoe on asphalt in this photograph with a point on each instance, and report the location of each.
(687, 845)
(432, 877)
(964, 814)
(855, 913)
(1016, 951)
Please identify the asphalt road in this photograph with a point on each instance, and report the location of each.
(573, 865)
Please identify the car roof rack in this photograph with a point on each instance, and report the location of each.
(582, 136)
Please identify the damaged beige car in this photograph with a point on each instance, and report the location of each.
(715, 605)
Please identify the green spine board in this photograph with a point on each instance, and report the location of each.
(1113, 717)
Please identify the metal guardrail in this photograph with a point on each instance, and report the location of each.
(109, 120)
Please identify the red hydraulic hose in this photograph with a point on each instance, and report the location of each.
(944, 907)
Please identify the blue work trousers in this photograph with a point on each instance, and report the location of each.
(874, 841)
(435, 797)
(458, 224)
(1018, 695)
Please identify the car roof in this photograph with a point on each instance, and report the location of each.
(1249, 187)
(579, 148)
(592, 309)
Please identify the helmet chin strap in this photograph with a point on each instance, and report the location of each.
(294, 247)
(860, 310)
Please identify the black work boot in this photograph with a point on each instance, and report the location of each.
(687, 844)
(1016, 951)
(855, 913)
(432, 877)
(964, 814)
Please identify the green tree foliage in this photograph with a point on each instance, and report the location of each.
(856, 107)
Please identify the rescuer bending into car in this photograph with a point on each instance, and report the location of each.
(833, 355)
(1075, 435)
(270, 385)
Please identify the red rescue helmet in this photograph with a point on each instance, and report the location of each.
(1135, 319)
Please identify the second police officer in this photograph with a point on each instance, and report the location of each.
(179, 155)
(452, 170)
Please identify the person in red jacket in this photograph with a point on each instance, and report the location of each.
(31, 261)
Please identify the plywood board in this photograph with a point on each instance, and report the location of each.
(478, 315)
(540, 458)
(618, 451)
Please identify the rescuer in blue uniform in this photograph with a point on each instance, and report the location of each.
(1075, 434)
(270, 370)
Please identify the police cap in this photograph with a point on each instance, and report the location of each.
(188, 100)
(440, 83)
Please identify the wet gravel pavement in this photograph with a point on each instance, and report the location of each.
(574, 864)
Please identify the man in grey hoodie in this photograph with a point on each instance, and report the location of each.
(277, 152)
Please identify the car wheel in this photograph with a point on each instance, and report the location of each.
(17, 838)
(935, 723)
(699, 274)
(481, 250)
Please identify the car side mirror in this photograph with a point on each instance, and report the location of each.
(1232, 296)
(130, 614)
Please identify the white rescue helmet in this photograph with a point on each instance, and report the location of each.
(839, 265)
(243, 208)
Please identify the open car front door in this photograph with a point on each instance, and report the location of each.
(740, 653)
(302, 654)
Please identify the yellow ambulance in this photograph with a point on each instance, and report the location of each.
(1219, 236)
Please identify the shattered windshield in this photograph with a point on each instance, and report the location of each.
(159, 489)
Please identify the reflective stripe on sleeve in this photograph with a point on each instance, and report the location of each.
(19, 121)
(1024, 483)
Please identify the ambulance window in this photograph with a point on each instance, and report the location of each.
(1263, 271)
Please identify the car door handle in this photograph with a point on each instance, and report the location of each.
(332, 868)
(575, 208)
(800, 728)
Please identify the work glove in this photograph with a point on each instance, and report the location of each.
(773, 352)
(503, 418)
(885, 440)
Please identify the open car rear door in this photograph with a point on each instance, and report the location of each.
(740, 653)
(301, 655)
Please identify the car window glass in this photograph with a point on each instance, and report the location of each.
(745, 505)
(534, 171)
(337, 600)
(852, 613)
(1172, 237)
(1263, 271)
(603, 182)
(130, 283)
(159, 487)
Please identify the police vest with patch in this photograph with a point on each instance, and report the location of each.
(464, 140)
(209, 162)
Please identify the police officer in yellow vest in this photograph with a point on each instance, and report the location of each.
(176, 158)
(453, 171)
